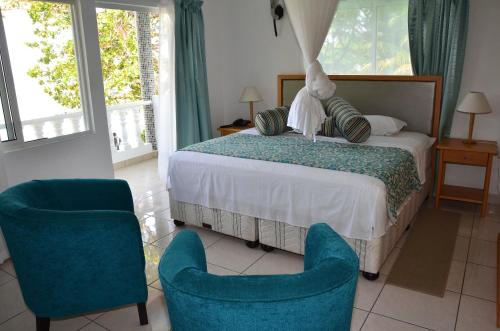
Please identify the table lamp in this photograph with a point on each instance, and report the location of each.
(473, 103)
(250, 95)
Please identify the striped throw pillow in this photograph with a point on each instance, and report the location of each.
(272, 122)
(328, 127)
(351, 124)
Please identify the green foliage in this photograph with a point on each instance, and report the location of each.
(119, 58)
(368, 37)
(56, 68)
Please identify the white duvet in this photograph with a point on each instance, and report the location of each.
(353, 204)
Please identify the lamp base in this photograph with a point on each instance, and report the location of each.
(469, 141)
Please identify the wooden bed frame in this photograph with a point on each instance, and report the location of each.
(438, 91)
(436, 79)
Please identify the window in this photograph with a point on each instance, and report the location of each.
(368, 37)
(41, 71)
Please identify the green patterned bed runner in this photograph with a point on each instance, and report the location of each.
(395, 167)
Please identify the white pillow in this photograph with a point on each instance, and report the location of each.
(384, 125)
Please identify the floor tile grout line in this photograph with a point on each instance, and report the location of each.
(378, 295)
(475, 297)
(89, 322)
(102, 326)
(12, 317)
(402, 321)
(223, 267)
(465, 271)
(364, 321)
(481, 265)
(161, 238)
(15, 276)
(7, 282)
(488, 241)
(156, 288)
(213, 243)
(241, 273)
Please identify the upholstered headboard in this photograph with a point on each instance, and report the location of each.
(413, 99)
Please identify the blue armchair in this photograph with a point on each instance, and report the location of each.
(320, 298)
(76, 246)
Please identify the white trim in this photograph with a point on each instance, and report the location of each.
(9, 84)
(129, 105)
(133, 5)
(15, 145)
(82, 65)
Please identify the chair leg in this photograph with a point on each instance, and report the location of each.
(370, 276)
(179, 223)
(143, 313)
(42, 323)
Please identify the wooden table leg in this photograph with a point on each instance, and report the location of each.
(486, 187)
(440, 179)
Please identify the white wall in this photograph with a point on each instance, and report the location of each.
(242, 50)
(85, 156)
(481, 73)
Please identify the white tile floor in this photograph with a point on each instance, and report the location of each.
(468, 305)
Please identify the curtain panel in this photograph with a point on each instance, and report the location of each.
(437, 33)
(164, 105)
(192, 104)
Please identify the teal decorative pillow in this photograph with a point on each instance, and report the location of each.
(328, 127)
(272, 122)
(351, 124)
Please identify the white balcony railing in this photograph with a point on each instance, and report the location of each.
(126, 129)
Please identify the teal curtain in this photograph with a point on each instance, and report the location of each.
(191, 87)
(437, 32)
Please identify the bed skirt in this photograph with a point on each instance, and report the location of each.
(232, 224)
(372, 253)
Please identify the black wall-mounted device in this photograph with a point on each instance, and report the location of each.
(277, 12)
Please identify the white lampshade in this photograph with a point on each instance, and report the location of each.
(250, 94)
(474, 103)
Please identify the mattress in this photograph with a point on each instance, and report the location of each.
(353, 204)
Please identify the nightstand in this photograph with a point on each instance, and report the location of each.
(224, 131)
(455, 151)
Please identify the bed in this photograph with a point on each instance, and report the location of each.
(274, 203)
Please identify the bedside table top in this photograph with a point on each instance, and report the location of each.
(232, 127)
(456, 144)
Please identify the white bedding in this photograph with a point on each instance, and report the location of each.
(353, 204)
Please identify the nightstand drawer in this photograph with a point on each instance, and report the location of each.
(462, 157)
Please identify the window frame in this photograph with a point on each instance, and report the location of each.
(78, 27)
(133, 5)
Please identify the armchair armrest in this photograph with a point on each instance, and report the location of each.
(323, 243)
(185, 251)
(88, 194)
